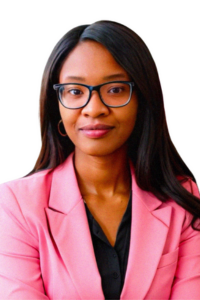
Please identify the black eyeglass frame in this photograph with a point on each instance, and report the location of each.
(93, 88)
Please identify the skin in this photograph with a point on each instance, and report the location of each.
(101, 164)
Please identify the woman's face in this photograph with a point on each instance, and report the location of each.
(96, 129)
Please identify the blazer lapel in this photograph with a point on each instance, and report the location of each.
(149, 230)
(69, 227)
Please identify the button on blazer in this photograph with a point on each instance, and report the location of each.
(46, 250)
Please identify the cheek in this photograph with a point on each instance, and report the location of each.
(69, 118)
(130, 116)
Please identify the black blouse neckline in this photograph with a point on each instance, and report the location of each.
(112, 261)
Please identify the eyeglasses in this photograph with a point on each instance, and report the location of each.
(77, 95)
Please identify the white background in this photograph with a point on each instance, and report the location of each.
(29, 31)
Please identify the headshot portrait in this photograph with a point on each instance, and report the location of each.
(98, 200)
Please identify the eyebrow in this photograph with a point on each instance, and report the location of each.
(108, 77)
(116, 76)
(75, 78)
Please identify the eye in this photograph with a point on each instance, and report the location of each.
(75, 92)
(115, 90)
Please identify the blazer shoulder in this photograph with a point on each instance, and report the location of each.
(29, 192)
(181, 213)
(191, 187)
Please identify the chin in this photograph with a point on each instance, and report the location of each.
(101, 150)
(96, 152)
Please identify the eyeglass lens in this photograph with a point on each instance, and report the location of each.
(112, 94)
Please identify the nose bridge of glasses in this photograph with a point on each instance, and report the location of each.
(97, 89)
(94, 88)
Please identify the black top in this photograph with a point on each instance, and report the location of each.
(112, 261)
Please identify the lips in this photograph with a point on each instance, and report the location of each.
(96, 127)
(95, 130)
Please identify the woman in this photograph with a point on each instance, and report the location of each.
(110, 210)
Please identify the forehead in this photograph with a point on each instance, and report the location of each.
(90, 60)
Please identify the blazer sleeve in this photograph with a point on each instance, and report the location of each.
(20, 274)
(187, 278)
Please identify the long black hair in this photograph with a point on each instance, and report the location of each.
(158, 166)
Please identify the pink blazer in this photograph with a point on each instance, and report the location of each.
(46, 250)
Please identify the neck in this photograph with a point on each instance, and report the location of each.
(103, 176)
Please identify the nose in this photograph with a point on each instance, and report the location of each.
(95, 107)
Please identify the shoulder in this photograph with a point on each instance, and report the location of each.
(180, 215)
(188, 185)
(191, 187)
(23, 202)
(29, 192)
